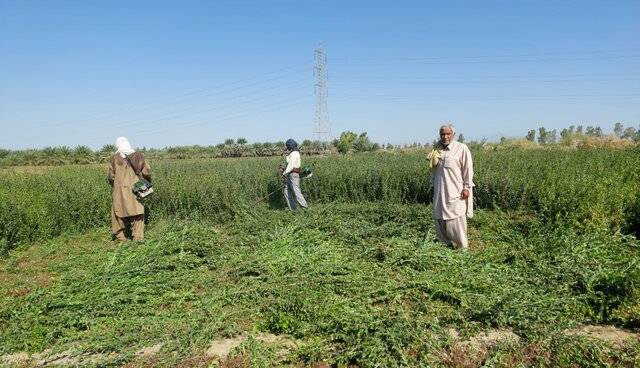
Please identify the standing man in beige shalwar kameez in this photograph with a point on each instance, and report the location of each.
(126, 210)
(452, 179)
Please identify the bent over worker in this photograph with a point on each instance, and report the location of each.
(452, 178)
(126, 209)
(291, 176)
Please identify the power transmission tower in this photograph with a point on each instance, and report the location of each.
(322, 127)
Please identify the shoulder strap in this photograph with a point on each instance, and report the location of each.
(126, 157)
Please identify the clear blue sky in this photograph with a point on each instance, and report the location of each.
(196, 72)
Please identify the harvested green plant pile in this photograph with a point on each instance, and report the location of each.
(348, 284)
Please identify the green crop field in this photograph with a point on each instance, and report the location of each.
(552, 278)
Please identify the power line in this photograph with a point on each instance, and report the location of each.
(238, 99)
(483, 97)
(479, 80)
(207, 107)
(138, 130)
(188, 96)
(506, 76)
(494, 56)
(268, 108)
(537, 60)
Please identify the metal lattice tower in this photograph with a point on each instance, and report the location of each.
(322, 127)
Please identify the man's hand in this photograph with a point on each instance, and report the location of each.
(464, 194)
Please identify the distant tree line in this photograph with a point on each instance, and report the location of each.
(580, 136)
(577, 132)
(240, 147)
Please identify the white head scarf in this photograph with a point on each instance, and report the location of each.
(124, 147)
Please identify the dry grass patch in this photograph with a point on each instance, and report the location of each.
(609, 334)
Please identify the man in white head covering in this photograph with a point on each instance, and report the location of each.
(452, 178)
(124, 147)
(126, 166)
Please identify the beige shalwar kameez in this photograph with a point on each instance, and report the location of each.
(126, 209)
(452, 174)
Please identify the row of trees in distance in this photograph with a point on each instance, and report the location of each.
(575, 136)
